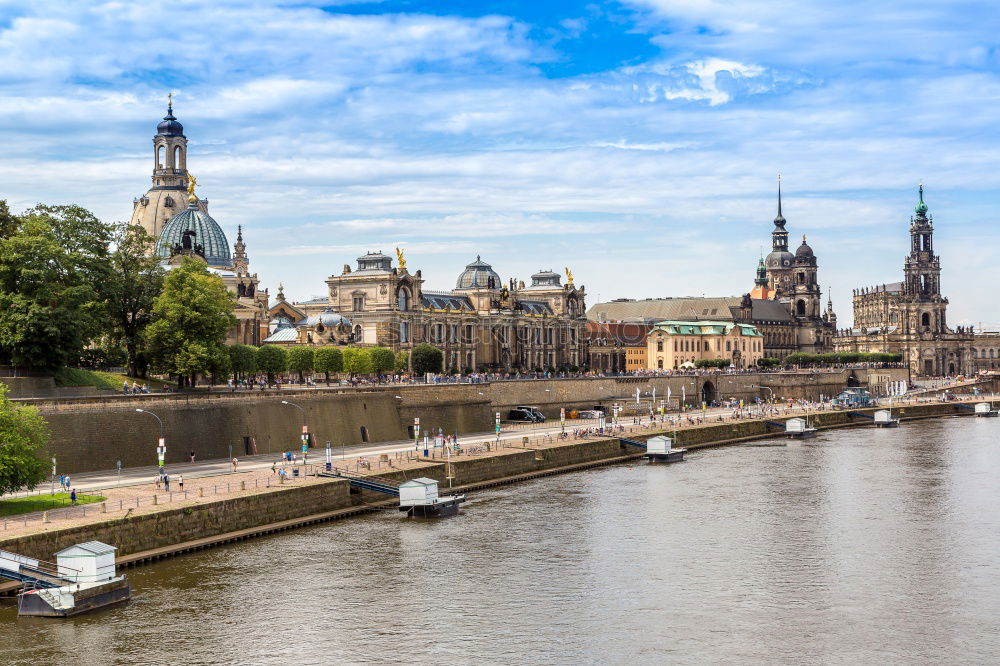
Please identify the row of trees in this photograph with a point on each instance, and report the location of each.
(68, 280)
(840, 358)
(713, 363)
(245, 360)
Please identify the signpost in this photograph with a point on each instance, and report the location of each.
(562, 418)
(416, 432)
(497, 428)
(118, 464)
(305, 442)
(53, 491)
(161, 452)
(329, 456)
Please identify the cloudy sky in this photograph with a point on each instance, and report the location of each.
(635, 141)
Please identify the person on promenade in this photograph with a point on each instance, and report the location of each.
(274, 468)
(159, 480)
(166, 482)
(192, 456)
(67, 482)
(72, 496)
(235, 463)
(125, 388)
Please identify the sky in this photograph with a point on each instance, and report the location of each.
(636, 142)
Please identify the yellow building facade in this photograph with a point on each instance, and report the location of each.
(673, 344)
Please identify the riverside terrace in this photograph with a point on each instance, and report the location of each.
(221, 509)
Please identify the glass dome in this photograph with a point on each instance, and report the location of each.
(478, 275)
(207, 233)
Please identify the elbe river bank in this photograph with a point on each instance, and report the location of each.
(860, 546)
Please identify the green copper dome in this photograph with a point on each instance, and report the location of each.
(921, 208)
(207, 233)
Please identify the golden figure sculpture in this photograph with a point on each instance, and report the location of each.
(569, 277)
(192, 181)
(402, 260)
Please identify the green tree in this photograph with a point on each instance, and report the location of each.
(23, 434)
(327, 360)
(402, 361)
(242, 360)
(357, 360)
(427, 358)
(135, 279)
(300, 360)
(383, 360)
(191, 318)
(272, 360)
(53, 264)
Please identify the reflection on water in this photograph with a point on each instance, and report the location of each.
(861, 546)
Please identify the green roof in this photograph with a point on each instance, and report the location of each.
(705, 328)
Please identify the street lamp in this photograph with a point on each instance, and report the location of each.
(161, 446)
(305, 429)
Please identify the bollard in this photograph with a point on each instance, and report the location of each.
(243, 485)
(156, 500)
(104, 507)
(201, 491)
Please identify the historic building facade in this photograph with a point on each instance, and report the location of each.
(910, 317)
(681, 344)
(172, 213)
(482, 323)
(784, 306)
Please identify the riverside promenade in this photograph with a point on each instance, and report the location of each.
(140, 518)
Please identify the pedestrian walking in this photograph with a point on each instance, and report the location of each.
(125, 388)
(274, 468)
(159, 480)
(235, 463)
(166, 482)
(192, 456)
(72, 497)
(180, 482)
(67, 482)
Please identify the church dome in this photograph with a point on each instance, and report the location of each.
(779, 259)
(169, 125)
(804, 251)
(478, 275)
(208, 234)
(328, 318)
(546, 280)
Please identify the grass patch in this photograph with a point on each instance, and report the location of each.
(116, 381)
(81, 377)
(19, 505)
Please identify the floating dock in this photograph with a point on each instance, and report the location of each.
(799, 429)
(885, 419)
(985, 409)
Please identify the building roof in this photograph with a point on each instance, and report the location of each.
(421, 481)
(619, 333)
(207, 233)
(282, 335)
(535, 307)
(169, 125)
(92, 547)
(679, 309)
(442, 300)
(328, 318)
(478, 275)
(705, 328)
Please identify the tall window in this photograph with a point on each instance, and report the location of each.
(358, 303)
(403, 300)
(925, 319)
(404, 331)
(659, 345)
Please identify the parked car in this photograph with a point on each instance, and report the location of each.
(590, 414)
(528, 414)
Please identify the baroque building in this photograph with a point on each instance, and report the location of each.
(183, 227)
(483, 323)
(910, 317)
(784, 307)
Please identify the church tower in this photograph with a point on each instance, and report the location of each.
(779, 261)
(805, 295)
(170, 177)
(922, 275)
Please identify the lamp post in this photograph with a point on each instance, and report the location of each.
(305, 429)
(161, 446)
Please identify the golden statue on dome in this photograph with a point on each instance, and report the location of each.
(402, 260)
(192, 181)
(569, 277)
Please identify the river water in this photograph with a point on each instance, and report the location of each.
(861, 546)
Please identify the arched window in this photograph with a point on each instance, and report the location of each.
(659, 345)
(925, 319)
(159, 157)
(800, 307)
(404, 331)
(178, 162)
(403, 300)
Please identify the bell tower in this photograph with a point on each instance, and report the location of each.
(170, 177)
(922, 275)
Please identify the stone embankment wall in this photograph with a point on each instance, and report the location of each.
(174, 526)
(92, 433)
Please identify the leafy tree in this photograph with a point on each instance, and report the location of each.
(272, 360)
(191, 318)
(242, 360)
(768, 362)
(402, 361)
(135, 279)
(300, 360)
(383, 360)
(53, 263)
(427, 358)
(23, 434)
(357, 360)
(327, 360)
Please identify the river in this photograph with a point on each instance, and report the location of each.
(861, 546)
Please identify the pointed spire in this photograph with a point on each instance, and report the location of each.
(239, 232)
(779, 221)
(921, 208)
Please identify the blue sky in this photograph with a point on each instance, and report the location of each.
(636, 141)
